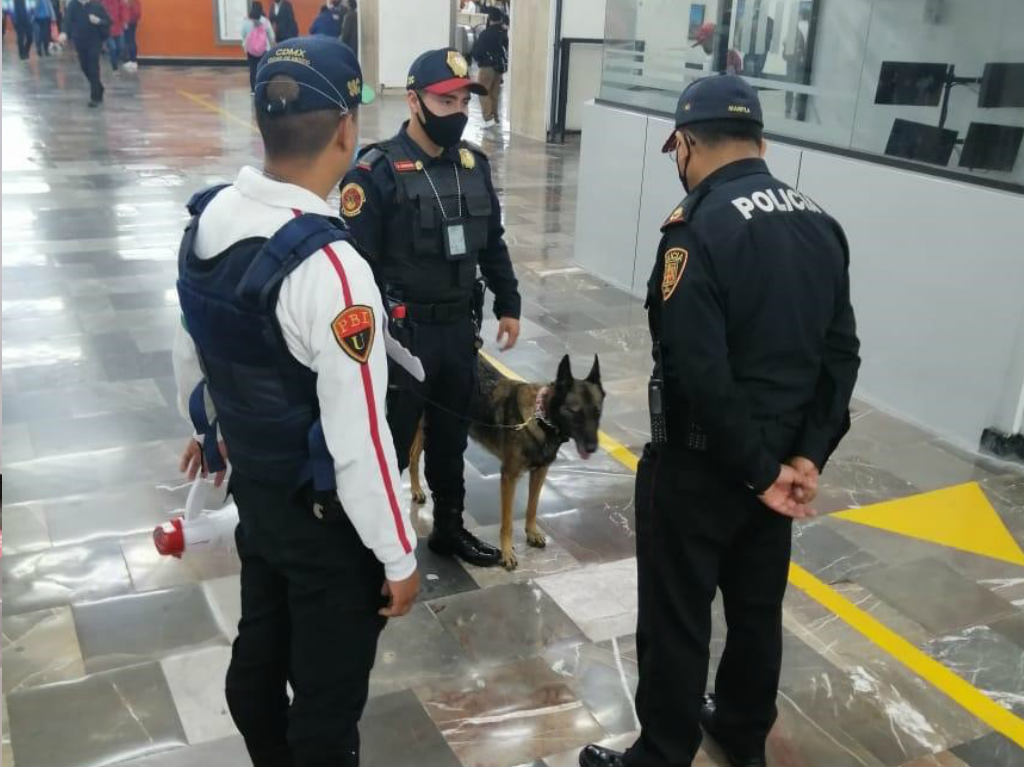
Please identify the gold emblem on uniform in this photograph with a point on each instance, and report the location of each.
(675, 263)
(419, 165)
(468, 160)
(458, 64)
(352, 200)
(354, 87)
(674, 217)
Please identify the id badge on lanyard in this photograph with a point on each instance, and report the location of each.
(455, 239)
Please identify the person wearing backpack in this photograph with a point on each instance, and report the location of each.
(257, 37)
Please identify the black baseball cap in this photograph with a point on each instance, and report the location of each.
(442, 71)
(718, 97)
(326, 70)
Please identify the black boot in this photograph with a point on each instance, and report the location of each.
(450, 538)
(737, 753)
(599, 756)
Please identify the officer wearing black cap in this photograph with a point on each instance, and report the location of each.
(280, 352)
(423, 208)
(756, 356)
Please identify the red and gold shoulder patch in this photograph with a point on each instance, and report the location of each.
(354, 330)
(675, 263)
(674, 217)
(353, 197)
(407, 166)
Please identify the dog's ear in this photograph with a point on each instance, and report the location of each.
(594, 376)
(564, 378)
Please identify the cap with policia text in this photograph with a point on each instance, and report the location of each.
(442, 71)
(325, 69)
(718, 97)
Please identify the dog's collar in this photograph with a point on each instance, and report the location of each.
(540, 408)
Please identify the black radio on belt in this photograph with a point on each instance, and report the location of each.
(655, 402)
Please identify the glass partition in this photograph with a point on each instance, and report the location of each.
(939, 83)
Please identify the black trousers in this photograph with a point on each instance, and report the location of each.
(310, 595)
(696, 532)
(254, 62)
(42, 37)
(448, 354)
(24, 32)
(89, 60)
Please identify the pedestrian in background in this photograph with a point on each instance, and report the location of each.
(257, 37)
(43, 18)
(132, 17)
(115, 43)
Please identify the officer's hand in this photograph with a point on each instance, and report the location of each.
(781, 496)
(94, 19)
(508, 327)
(62, 38)
(402, 595)
(809, 473)
(191, 462)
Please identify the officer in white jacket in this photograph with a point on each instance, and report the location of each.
(282, 353)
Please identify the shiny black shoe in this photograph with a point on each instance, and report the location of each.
(737, 755)
(449, 541)
(599, 756)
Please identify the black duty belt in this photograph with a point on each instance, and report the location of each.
(432, 313)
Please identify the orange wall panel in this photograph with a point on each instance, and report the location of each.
(187, 29)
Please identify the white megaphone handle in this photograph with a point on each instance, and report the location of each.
(195, 503)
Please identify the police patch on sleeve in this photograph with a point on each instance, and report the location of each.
(675, 263)
(352, 200)
(354, 329)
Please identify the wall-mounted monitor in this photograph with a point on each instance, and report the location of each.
(921, 142)
(1002, 85)
(991, 147)
(911, 83)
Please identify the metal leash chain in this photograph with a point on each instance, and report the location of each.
(458, 185)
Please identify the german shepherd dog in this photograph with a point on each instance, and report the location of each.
(524, 425)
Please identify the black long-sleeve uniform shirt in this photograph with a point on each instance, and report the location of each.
(750, 300)
(368, 227)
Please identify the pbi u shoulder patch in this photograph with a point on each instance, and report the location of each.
(675, 263)
(354, 329)
(353, 197)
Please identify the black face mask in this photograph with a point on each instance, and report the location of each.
(444, 131)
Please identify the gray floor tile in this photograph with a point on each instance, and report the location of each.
(62, 575)
(949, 602)
(40, 648)
(504, 623)
(828, 555)
(993, 750)
(413, 650)
(416, 742)
(509, 715)
(25, 528)
(226, 752)
(100, 719)
(152, 625)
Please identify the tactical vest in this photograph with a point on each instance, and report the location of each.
(265, 400)
(413, 260)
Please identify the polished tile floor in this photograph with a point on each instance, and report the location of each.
(112, 654)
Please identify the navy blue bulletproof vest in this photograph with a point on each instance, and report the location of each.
(265, 400)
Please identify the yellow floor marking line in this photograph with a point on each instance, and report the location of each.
(965, 694)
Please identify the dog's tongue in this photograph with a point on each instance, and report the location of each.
(583, 453)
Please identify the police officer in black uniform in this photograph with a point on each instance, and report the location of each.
(756, 356)
(423, 208)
